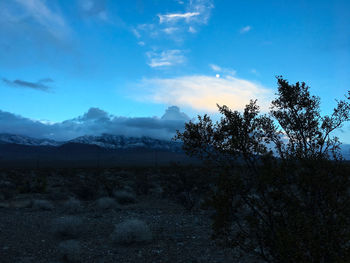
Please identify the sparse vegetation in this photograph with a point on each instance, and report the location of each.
(69, 251)
(72, 205)
(131, 231)
(67, 227)
(124, 197)
(105, 203)
(42, 205)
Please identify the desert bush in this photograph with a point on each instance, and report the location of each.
(187, 200)
(67, 227)
(142, 183)
(41, 184)
(186, 185)
(86, 192)
(124, 197)
(105, 203)
(35, 183)
(131, 231)
(7, 190)
(72, 205)
(108, 184)
(157, 191)
(42, 205)
(282, 193)
(69, 250)
(57, 195)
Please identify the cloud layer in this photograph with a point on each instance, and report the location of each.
(96, 122)
(202, 92)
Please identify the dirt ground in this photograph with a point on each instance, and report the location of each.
(179, 234)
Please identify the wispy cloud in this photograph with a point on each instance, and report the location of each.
(226, 71)
(170, 30)
(136, 32)
(165, 58)
(202, 92)
(35, 30)
(171, 18)
(39, 85)
(245, 29)
(52, 21)
(192, 30)
(203, 7)
(96, 8)
(174, 26)
(215, 67)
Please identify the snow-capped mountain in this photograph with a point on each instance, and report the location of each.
(110, 141)
(106, 141)
(25, 140)
(114, 142)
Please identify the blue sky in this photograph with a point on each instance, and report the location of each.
(134, 59)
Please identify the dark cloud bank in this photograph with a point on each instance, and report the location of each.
(39, 85)
(96, 122)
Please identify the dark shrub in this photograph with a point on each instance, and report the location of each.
(291, 204)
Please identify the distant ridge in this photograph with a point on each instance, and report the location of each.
(95, 151)
(25, 140)
(110, 141)
(106, 141)
(106, 150)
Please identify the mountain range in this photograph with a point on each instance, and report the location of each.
(105, 141)
(103, 150)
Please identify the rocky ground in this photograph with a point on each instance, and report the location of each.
(32, 202)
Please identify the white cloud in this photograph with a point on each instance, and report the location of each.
(136, 32)
(202, 92)
(197, 11)
(177, 24)
(174, 26)
(245, 29)
(171, 18)
(96, 8)
(226, 71)
(170, 30)
(191, 29)
(87, 5)
(203, 7)
(52, 22)
(36, 28)
(215, 67)
(165, 58)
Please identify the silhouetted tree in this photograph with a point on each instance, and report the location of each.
(283, 194)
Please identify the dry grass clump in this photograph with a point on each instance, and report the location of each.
(67, 227)
(124, 197)
(42, 205)
(69, 250)
(131, 231)
(72, 205)
(105, 203)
